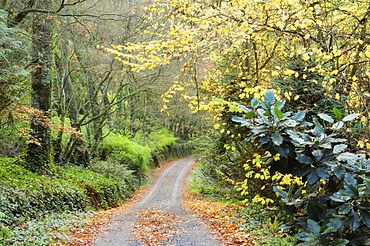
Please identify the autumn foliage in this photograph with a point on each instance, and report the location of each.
(315, 54)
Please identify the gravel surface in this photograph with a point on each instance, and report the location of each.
(159, 219)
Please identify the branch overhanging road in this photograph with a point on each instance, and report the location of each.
(159, 219)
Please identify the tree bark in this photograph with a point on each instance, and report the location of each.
(38, 156)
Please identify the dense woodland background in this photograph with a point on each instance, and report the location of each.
(95, 93)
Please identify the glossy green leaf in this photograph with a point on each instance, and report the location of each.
(249, 115)
(289, 123)
(239, 119)
(336, 224)
(305, 159)
(260, 129)
(365, 217)
(318, 154)
(277, 139)
(309, 238)
(261, 112)
(339, 148)
(340, 196)
(269, 97)
(326, 117)
(312, 176)
(338, 125)
(337, 113)
(350, 185)
(264, 140)
(345, 208)
(366, 181)
(350, 117)
(354, 220)
(319, 129)
(323, 173)
(244, 108)
(255, 102)
(280, 192)
(314, 227)
(281, 104)
(266, 121)
(299, 116)
(278, 113)
(347, 157)
(339, 242)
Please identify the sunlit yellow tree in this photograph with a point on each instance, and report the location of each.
(309, 51)
(253, 40)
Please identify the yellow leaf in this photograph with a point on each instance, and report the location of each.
(306, 57)
(335, 72)
(367, 53)
(337, 52)
(277, 157)
(275, 73)
(288, 72)
(360, 144)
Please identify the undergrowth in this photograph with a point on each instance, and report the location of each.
(53, 229)
(261, 223)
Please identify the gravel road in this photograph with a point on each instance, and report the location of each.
(159, 219)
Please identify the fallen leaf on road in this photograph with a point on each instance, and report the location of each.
(155, 227)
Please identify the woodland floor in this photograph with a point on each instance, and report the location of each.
(164, 213)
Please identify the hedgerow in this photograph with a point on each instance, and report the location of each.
(127, 152)
(102, 192)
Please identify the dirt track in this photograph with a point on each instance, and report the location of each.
(159, 219)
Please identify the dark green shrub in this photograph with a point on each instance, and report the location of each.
(119, 148)
(116, 171)
(158, 139)
(164, 146)
(25, 195)
(174, 151)
(102, 191)
(334, 207)
(51, 229)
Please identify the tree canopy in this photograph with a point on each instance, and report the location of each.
(260, 44)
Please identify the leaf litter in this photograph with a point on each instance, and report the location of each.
(155, 227)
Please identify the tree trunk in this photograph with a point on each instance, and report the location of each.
(38, 156)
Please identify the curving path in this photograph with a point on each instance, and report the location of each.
(159, 219)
